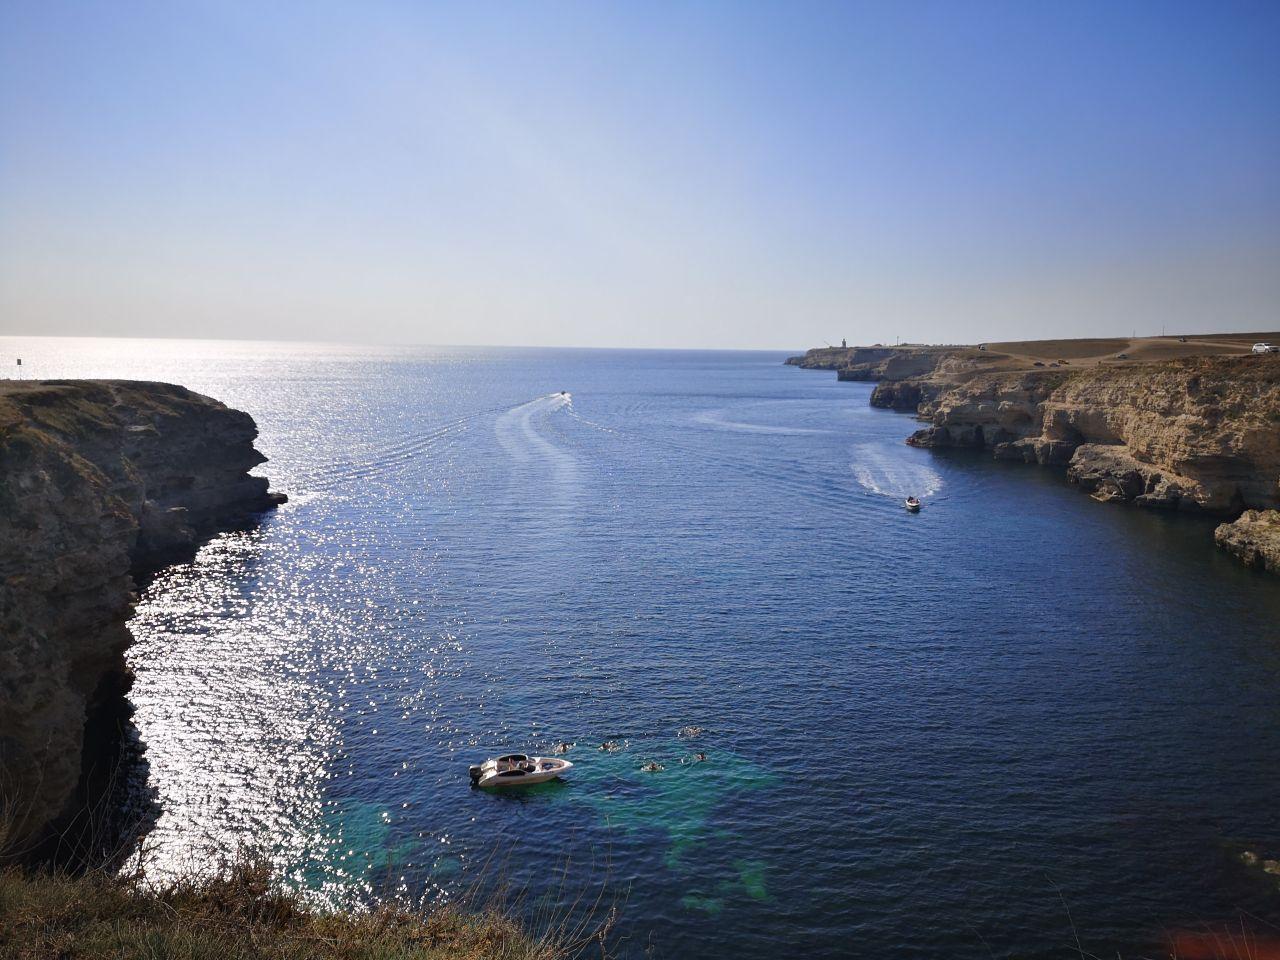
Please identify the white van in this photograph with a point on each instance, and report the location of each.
(1265, 348)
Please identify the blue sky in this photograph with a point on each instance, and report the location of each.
(649, 174)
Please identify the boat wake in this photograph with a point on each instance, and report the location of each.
(521, 432)
(429, 443)
(719, 420)
(516, 428)
(778, 471)
(887, 470)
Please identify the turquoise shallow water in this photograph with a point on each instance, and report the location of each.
(927, 735)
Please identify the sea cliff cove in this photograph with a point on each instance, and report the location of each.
(1027, 691)
(437, 521)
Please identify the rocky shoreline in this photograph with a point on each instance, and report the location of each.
(101, 483)
(1254, 538)
(1192, 433)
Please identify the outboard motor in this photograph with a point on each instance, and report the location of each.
(474, 770)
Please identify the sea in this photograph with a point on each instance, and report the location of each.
(1017, 724)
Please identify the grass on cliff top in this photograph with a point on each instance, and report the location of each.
(239, 913)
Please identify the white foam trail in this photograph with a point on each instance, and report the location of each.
(718, 419)
(518, 432)
(590, 423)
(889, 470)
(389, 456)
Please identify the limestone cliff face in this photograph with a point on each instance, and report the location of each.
(100, 481)
(907, 375)
(821, 358)
(1254, 538)
(873, 363)
(1196, 434)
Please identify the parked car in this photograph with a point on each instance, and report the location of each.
(1265, 348)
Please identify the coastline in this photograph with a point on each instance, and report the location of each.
(909, 542)
(1195, 430)
(102, 484)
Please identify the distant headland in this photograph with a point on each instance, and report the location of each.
(1188, 423)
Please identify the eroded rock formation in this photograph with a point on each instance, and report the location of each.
(1200, 433)
(1254, 538)
(100, 482)
(1196, 433)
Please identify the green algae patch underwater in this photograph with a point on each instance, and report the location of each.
(356, 852)
(750, 882)
(679, 803)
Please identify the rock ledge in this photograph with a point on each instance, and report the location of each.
(1254, 538)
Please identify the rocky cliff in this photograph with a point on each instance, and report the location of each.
(825, 358)
(1200, 433)
(880, 362)
(906, 376)
(1254, 538)
(100, 483)
(1197, 429)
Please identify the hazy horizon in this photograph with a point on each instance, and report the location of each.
(7, 353)
(718, 175)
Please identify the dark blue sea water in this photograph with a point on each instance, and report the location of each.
(1016, 719)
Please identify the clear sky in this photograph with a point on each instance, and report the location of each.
(645, 174)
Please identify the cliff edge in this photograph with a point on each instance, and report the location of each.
(1186, 423)
(1199, 433)
(100, 482)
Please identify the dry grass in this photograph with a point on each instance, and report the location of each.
(237, 912)
(1053, 349)
(1105, 350)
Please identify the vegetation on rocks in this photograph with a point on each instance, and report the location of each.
(239, 913)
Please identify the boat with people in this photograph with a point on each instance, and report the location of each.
(912, 504)
(517, 770)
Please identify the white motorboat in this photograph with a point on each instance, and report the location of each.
(517, 770)
(912, 504)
